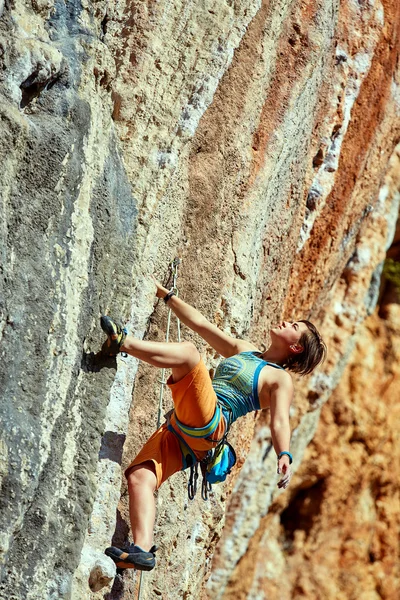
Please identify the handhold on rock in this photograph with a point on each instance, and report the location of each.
(102, 573)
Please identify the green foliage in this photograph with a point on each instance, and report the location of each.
(391, 272)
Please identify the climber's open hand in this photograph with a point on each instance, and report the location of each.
(284, 470)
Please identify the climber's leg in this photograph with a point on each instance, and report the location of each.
(195, 401)
(159, 458)
(140, 555)
(142, 483)
(180, 357)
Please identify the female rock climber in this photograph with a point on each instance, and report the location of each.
(246, 380)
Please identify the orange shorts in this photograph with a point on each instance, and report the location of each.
(195, 403)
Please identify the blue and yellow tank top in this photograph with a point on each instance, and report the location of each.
(236, 382)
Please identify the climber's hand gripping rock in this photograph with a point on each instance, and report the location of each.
(161, 290)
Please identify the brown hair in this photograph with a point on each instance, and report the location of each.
(314, 351)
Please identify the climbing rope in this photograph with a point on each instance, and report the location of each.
(140, 585)
(174, 271)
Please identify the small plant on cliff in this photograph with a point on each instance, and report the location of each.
(391, 272)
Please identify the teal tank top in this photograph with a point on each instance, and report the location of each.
(236, 382)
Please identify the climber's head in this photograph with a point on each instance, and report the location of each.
(302, 343)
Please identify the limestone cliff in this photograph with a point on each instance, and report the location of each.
(335, 535)
(259, 142)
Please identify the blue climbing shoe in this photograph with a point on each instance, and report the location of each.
(133, 557)
(115, 336)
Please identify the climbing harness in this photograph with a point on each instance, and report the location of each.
(217, 463)
(203, 433)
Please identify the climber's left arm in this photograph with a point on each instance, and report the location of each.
(223, 343)
(281, 396)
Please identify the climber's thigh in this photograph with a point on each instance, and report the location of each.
(194, 397)
(161, 453)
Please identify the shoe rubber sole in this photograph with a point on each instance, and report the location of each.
(107, 325)
(115, 334)
(121, 564)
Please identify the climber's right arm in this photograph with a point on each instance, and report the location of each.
(223, 343)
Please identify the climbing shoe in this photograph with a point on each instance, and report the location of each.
(133, 557)
(115, 336)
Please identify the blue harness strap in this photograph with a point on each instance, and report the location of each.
(188, 456)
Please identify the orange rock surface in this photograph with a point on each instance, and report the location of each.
(337, 536)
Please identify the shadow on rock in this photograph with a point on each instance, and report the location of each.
(266, 453)
(117, 589)
(93, 363)
(121, 534)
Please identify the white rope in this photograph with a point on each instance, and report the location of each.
(140, 585)
(174, 268)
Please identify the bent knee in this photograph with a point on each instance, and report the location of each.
(143, 474)
(192, 355)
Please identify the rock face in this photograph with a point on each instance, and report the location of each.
(257, 141)
(336, 534)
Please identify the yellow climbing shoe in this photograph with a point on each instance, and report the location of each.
(115, 336)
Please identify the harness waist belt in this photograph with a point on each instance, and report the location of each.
(189, 457)
(201, 432)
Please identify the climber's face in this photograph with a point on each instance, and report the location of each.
(287, 335)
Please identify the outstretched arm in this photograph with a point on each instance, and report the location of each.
(224, 344)
(281, 398)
